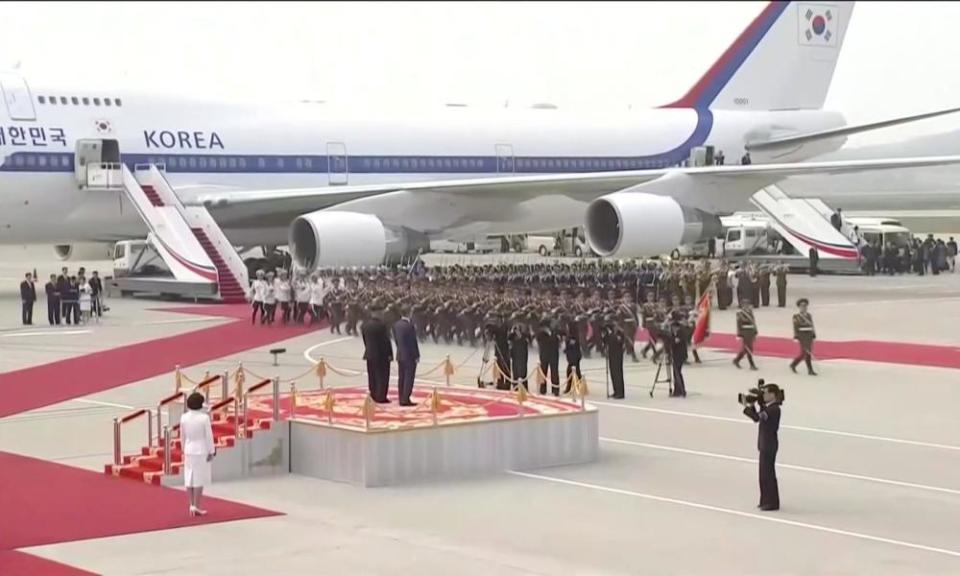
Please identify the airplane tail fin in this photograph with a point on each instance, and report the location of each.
(784, 60)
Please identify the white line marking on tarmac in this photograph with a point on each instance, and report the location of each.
(732, 512)
(309, 358)
(183, 321)
(99, 403)
(46, 333)
(783, 426)
(781, 465)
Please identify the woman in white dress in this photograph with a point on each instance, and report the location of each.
(196, 433)
(85, 302)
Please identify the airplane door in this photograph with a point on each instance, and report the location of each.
(16, 94)
(505, 159)
(337, 165)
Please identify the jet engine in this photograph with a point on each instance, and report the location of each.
(635, 224)
(94, 251)
(330, 238)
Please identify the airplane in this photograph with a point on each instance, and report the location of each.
(343, 187)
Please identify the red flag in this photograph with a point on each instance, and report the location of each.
(702, 328)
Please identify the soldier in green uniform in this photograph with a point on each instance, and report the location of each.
(804, 333)
(781, 272)
(747, 332)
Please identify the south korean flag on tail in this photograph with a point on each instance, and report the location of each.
(817, 24)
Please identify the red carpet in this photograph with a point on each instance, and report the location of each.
(40, 386)
(45, 503)
(14, 563)
(865, 350)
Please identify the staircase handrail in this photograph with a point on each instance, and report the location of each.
(117, 431)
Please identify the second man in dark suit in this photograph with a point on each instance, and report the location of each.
(408, 355)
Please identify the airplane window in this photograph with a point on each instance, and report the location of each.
(42, 99)
(308, 162)
(42, 161)
(18, 160)
(232, 163)
(299, 163)
(86, 101)
(107, 102)
(53, 99)
(96, 101)
(395, 163)
(193, 161)
(172, 162)
(31, 161)
(203, 162)
(279, 162)
(242, 163)
(63, 100)
(183, 161)
(376, 164)
(261, 163)
(118, 102)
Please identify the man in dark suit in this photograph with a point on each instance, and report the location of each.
(53, 301)
(408, 354)
(519, 352)
(28, 295)
(549, 344)
(613, 342)
(768, 416)
(63, 289)
(96, 293)
(378, 352)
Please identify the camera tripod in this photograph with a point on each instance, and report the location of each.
(663, 361)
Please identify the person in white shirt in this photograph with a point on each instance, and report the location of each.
(269, 299)
(258, 289)
(282, 288)
(85, 302)
(317, 293)
(302, 290)
(196, 434)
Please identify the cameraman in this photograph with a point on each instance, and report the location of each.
(768, 415)
(676, 339)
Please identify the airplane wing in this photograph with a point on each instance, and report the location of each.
(794, 140)
(708, 187)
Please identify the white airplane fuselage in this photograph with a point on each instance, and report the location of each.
(209, 146)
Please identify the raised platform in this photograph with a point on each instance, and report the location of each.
(467, 433)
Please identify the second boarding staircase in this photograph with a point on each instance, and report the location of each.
(187, 238)
(805, 224)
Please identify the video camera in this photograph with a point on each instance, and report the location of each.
(755, 395)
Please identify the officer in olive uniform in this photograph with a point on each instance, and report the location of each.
(765, 285)
(781, 272)
(747, 332)
(804, 333)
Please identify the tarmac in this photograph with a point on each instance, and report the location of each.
(869, 462)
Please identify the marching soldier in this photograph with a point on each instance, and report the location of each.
(691, 313)
(804, 333)
(724, 293)
(781, 272)
(747, 332)
(649, 312)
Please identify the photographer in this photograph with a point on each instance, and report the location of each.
(676, 344)
(762, 405)
(519, 351)
(614, 340)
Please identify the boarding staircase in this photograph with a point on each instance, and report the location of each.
(188, 239)
(153, 465)
(805, 224)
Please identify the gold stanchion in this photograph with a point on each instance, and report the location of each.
(368, 408)
(448, 369)
(328, 406)
(435, 404)
(521, 397)
(541, 378)
(293, 400)
(321, 371)
(239, 379)
(177, 379)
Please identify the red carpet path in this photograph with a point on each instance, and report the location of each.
(39, 386)
(46, 503)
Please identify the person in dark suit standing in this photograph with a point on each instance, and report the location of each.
(767, 414)
(63, 290)
(574, 354)
(378, 352)
(519, 352)
(549, 344)
(814, 260)
(408, 355)
(53, 301)
(28, 296)
(614, 342)
(678, 352)
(96, 294)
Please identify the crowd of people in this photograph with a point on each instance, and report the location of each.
(578, 309)
(919, 257)
(71, 299)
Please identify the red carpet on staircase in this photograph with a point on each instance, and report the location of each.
(45, 503)
(39, 386)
